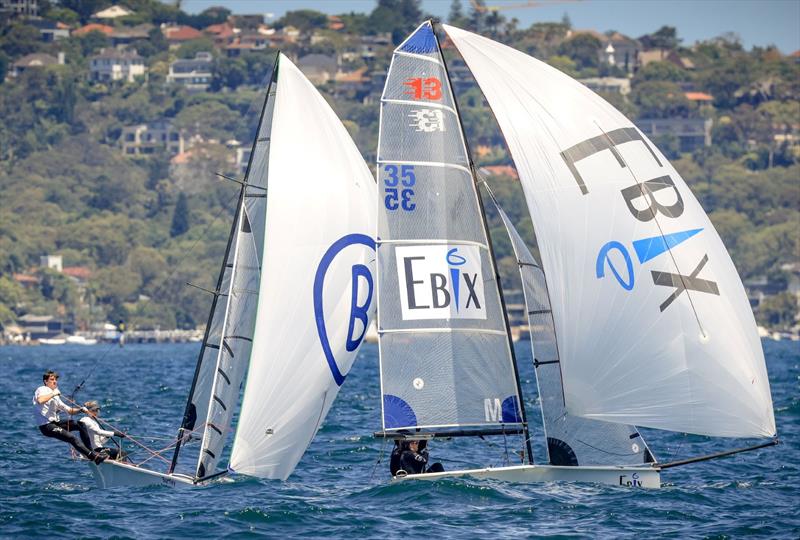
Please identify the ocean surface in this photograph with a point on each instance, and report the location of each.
(339, 489)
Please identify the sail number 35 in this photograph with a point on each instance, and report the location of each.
(399, 183)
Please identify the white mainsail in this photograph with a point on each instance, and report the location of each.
(653, 324)
(315, 300)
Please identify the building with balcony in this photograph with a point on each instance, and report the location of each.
(153, 138)
(116, 65)
(194, 74)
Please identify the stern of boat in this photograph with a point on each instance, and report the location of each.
(115, 473)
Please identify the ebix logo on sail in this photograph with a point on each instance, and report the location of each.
(440, 282)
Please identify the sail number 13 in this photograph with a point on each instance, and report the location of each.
(399, 183)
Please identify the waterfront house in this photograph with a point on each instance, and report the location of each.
(193, 74)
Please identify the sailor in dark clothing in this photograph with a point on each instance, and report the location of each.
(394, 460)
(414, 458)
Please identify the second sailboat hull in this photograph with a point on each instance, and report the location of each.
(638, 477)
(114, 474)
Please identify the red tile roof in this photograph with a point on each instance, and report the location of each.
(181, 33)
(93, 27)
(78, 272)
(25, 279)
(699, 96)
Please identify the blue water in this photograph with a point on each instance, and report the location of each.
(337, 491)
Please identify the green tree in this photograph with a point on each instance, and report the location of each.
(19, 40)
(665, 37)
(583, 48)
(3, 67)
(661, 71)
(658, 99)
(93, 42)
(456, 16)
(304, 20)
(180, 217)
(399, 17)
(191, 48)
(778, 310)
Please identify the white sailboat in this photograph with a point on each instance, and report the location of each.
(292, 301)
(667, 342)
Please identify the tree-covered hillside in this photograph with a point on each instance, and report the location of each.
(138, 227)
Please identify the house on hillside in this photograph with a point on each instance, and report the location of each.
(664, 55)
(94, 27)
(353, 84)
(178, 35)
(691, 133)
(116, 65)
(194, 74)
(128, 34)
(53, 262)
(372, 45)
(20, 8)
(221, 33)
(50, 30)
(608, 85)
(615, 49)
(78, 274)
(335, 23)
(27, 281)
(149, 139)
(701, 98)
(246, 42)
(112, 12)
(318, 68)
(34, 61)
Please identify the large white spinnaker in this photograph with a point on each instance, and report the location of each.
(316, 288)
(653, 324)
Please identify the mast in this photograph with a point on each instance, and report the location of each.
(188, 416)
(491, 255)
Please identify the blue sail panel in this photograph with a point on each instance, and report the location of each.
(650, 248)
(421, 42)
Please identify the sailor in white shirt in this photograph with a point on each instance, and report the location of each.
(97, 435)
(46, 408)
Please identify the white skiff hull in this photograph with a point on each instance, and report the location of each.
(114, 473)
(639, 477)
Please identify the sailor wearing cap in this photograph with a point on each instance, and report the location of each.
(98, 436)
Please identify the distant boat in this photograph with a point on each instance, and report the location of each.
(291, 304)
(642, 320)
(81, 340)
(52, 341)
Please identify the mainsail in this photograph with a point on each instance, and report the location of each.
(571, 440)
(445, 355)
(225, 351)
(316, 289)
(653, 324)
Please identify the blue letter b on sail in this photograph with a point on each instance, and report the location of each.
(357, 311)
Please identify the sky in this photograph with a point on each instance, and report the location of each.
(757, 22)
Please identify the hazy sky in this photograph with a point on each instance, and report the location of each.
(757, 22)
